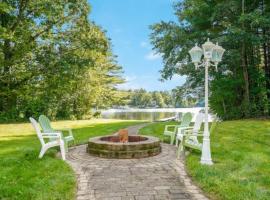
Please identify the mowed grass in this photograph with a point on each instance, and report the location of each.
(24, 176)
(241, 155)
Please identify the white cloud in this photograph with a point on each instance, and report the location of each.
(153, 56)
(144, 44)
(130, 78)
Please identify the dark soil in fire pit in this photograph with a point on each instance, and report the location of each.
(117, 138)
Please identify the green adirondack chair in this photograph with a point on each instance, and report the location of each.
(190, 137)
(170, 130)
(45, 124)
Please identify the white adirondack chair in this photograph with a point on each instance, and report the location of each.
(185, 121)
(58, 141)
(45, 124)
(192, 139)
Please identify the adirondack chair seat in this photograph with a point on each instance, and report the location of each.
(189, 140)
(192, 142)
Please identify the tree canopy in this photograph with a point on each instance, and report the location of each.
(53, 60)
(241, 87)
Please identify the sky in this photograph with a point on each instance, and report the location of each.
(127, 24)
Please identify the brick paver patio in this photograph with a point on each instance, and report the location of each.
(159, 178)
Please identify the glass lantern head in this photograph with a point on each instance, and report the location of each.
(217, 53)
(208, 49)
(196, 54)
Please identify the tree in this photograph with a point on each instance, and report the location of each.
(140, 98)
(158, 99)
(53, 60)
(167, 97)
(242, 28)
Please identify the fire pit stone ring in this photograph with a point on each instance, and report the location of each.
(136, 147)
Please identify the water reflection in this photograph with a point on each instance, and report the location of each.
(147, 114)
(151, 116)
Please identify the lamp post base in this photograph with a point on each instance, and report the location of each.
(206, 152)
(207, 162)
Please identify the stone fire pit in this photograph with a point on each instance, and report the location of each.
(136, 147)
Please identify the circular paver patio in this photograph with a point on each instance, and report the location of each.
(160, 177)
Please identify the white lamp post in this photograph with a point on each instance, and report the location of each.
(212, 55)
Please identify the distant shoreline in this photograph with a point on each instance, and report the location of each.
(194, 110)
(152, 114)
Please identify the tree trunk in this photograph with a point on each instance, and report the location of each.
(246, 80)
(266, 58)
(245, 69)
(267, 73)
(8, 99)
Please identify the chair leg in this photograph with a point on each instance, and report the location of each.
(42, 152)
(66, 144)
(62, 150)
(180, 149)
(172, 138)
(176, 142)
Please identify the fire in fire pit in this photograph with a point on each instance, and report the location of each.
(123, 135)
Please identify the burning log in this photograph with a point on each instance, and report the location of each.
(123, 135)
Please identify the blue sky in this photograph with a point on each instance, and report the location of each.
(127, 24)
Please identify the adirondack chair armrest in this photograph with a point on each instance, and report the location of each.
(170, 126)
(51, 135)
(188, 135)
(184, 128)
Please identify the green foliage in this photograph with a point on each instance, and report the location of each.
(240, 88)
(158, 99)
(184, 98)
(23, 176)
(53, 60)
(240, 152)
(142, 98)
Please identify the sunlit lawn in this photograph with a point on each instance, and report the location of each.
(24, 176)
(241, 153)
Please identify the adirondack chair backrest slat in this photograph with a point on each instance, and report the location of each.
(39, 134)
(196, 128)
(45, 124)
(198, 123)
(186, 119)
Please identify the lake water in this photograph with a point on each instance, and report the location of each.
(152, 114)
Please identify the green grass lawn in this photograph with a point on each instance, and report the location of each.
(24, 176)
(241, 155)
